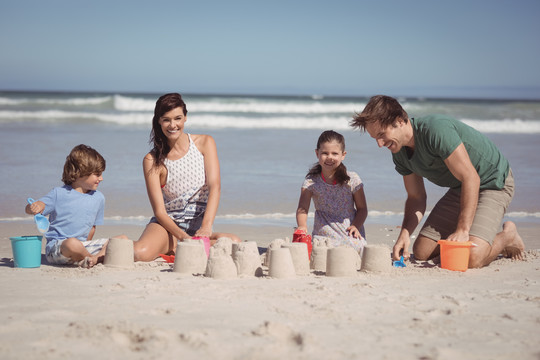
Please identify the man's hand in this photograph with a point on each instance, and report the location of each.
(401, 247)
(458, 236)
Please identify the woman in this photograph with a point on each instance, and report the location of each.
(182, 180)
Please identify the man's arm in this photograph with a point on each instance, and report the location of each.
(415, 207)
(461, 167)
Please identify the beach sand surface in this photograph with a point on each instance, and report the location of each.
(150, 312)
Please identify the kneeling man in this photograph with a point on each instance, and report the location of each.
(450, 154)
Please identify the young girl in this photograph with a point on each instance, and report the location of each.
(338, 195)
(74, 211)
(182, 181)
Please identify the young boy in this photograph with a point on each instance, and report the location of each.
(74, 211)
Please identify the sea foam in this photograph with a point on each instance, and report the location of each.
(256, 121)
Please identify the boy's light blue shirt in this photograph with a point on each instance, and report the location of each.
(72, 214)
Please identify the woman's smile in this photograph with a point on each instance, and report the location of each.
(172, 122)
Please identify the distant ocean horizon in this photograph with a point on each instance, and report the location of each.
(265, 143)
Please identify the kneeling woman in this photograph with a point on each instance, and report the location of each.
(182, 181)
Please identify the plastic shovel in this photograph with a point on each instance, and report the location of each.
(400, 262)
(41, 221)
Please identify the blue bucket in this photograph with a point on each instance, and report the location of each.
(26, 251)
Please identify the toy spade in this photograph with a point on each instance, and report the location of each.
(400, 262)
(41, 221)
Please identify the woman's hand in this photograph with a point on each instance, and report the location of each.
(204, 231)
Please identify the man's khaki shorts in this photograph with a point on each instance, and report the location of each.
(492, 205)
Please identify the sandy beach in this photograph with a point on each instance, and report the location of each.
(150, 312)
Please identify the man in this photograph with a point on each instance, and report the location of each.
(450, 154)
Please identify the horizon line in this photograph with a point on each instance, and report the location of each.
(314, 96)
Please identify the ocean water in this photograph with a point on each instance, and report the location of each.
(265, 145)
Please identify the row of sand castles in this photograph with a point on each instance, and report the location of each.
(283, 259)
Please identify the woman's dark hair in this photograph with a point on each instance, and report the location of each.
(341, 171)
(164, 104)
(82, 161)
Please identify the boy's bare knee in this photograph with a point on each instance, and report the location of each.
(73, 248)
(70, 242)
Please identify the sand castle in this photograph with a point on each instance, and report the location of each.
(318, 255)
(283, 259)
(376, 258)
(281, 264)
(274, 244)
(342, 261)
(119, 253)
(220, 264)
(246, 258)
(299, 256)
(225, 243)
(190, 257)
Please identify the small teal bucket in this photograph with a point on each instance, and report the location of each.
(26, 251)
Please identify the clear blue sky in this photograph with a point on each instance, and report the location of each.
(458, 48)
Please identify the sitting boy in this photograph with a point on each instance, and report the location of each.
(74, 211)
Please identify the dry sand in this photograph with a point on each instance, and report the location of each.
(149, 312)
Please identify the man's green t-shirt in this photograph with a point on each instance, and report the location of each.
(435, 138)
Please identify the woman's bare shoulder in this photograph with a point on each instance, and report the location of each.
(203, 141)
(149, 156)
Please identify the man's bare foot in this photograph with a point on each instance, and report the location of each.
(515, 248)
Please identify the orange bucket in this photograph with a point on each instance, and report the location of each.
(455, 254)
